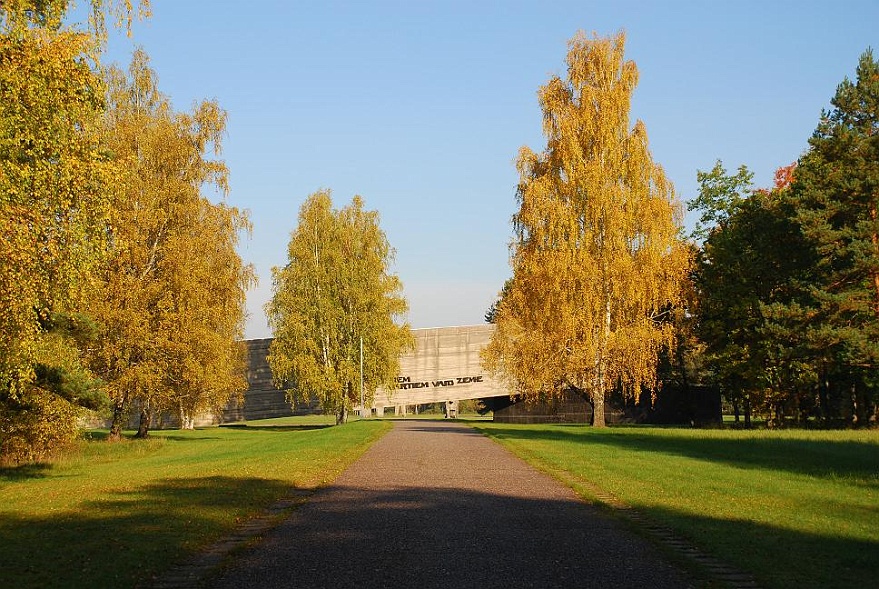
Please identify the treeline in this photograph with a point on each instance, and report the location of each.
(785, 305)
(120, 284)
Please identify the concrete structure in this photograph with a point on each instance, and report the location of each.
(444, 367)
(261, 399)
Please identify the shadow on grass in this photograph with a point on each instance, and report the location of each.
(277, 428)
(24, 472)
(163, 435)
(427, 537)
(124, 540)
(779, 556)
(157, 434)
(819, 458)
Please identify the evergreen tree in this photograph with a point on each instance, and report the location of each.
(836, 195)
(747, 308)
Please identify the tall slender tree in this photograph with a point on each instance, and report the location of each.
(336, 291)
(836, 195)
(597, 256)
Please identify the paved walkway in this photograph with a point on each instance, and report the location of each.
(436, 504)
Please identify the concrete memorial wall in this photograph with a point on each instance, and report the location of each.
(444, 366)
(261, 399)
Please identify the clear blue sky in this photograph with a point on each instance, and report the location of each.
(420, 107)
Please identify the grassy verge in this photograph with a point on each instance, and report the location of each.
(116, 514)
(796, 508)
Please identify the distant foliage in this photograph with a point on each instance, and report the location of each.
(336, 289)
(491, 313)
(597, 259)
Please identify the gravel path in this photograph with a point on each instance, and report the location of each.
(436, 504)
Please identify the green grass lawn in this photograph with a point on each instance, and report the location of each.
(115, 514)
(796, 508)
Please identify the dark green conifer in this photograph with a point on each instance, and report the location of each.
(836, 196)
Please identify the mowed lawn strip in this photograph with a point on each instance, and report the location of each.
(795, 508)
(116, 514)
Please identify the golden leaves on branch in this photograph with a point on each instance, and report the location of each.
(52, 207)
(54, 174)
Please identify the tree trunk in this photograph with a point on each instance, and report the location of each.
(823, 407)
(685, 381)
(800, 413)
(860, 414)
(875, 239)
(600, 366)
(780, 415)
(824, 399)
(747, 412)
(186, 421)
(598, 409)
(342, 416)
(116, 424)
(143, 428)
(583, 394)
(586, 398)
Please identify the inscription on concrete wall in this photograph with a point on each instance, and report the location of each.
(405, 383)
(444, 366)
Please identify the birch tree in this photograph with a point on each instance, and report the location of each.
(171, 301)
(597, 258)
(336, 290)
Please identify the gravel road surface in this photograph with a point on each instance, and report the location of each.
(436, 504)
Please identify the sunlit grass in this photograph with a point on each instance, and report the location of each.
(115, 514)
(797, 508)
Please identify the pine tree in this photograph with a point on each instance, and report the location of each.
(836, 193)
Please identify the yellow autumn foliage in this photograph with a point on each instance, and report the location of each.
(53, 174)
(171, 296)
(597, 258)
